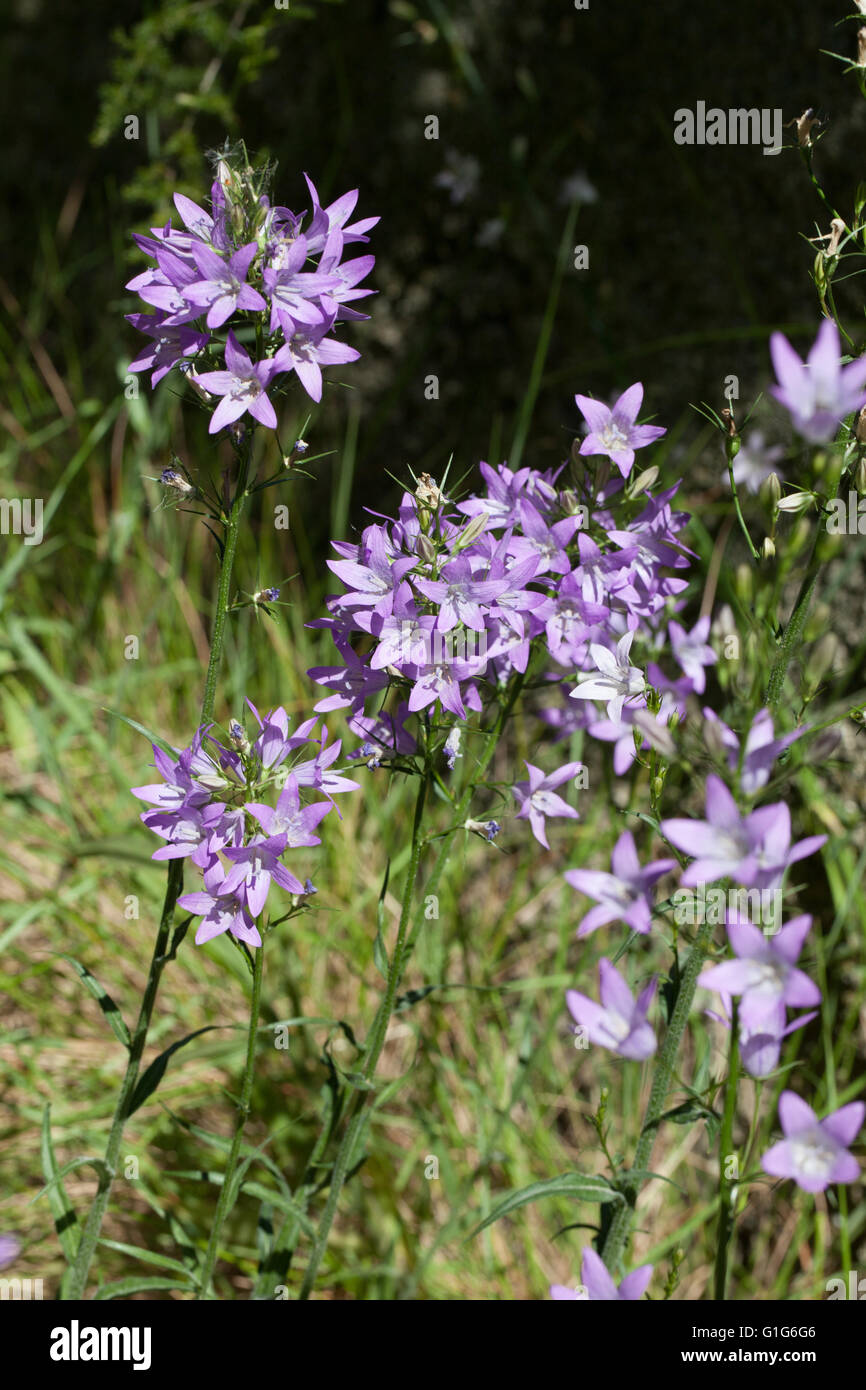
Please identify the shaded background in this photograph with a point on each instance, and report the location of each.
(695, 253)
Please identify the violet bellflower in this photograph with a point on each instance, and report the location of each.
(613, 431)
(814, 1152)
(597, 1285)
(819, 392)
(623, 895)
(754, 849)
(764, 969)
(619, 1022)
(538, 799)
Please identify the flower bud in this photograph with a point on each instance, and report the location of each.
(795, 502)
(644, 481)
(768, 549)
(471, 532)
(860, 477)
(861, 47)
(821, 658)
(743, 583)
(425, 548)
(771, 490)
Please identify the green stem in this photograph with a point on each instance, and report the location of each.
(742, 520)
(373, 1049)
(727, 1186)
(227, 1195)
(75, 1282)
(620, 1227)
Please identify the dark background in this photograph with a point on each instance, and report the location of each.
(695, 253)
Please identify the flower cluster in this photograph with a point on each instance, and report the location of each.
(263, 270)
(209, 808)
(447, 602)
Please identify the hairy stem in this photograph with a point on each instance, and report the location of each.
(620, 1227)
(727, 1186)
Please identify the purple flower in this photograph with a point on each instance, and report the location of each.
(817, 393)
(307, 350)
(170, 345)
(755, 462)
(761, 750)
(617, 680)
(537, 798)
(619, 1022)
(242, 387)
(814, 1152)
(220, 910)
(253, 867)
(755, 849)
(764, 971)
(289, 819)
(614, 432)
(597, 1286)
(623, 895)
(460, 595)
(10, 1249)
(761, 1043)
(223, 288)
(691, 651)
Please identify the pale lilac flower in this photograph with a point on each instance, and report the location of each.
(220, 910)
(814, 1152)
(819, 392)
(459, 595)
(764, 971)
(761, 750)
(288, 818)
(623, 895)
(754, 849)
(537, 798)
(597, 1285)
(617, 680)
(10, 1249)
(223, 288)
(754, 463)
(242, 386)
(170, 345)
(613, 431)
(691, 651)
(761, 1043)
(254, 866)
(619, 1022)
(307, 350)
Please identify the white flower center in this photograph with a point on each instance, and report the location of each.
(812, 1153)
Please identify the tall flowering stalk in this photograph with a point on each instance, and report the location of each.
(247, 271)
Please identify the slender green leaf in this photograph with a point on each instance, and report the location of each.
(572, 1185)
(65, 1220)
(113, 1016)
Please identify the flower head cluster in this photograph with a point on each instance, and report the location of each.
(446, 603)
(234, 810)
(249, 265)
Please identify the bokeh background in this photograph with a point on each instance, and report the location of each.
(555, 129)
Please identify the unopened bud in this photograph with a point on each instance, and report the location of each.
(821, 657)
(795, 502)
(861, 48)
(471, 532)
(425, 548)
(768, 549)
(644, 481)
(771, 490)
(860, 477)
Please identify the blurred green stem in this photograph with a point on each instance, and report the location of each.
(620, 1227)
(75, 1281)
(227, 1195)
(727, 1186)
